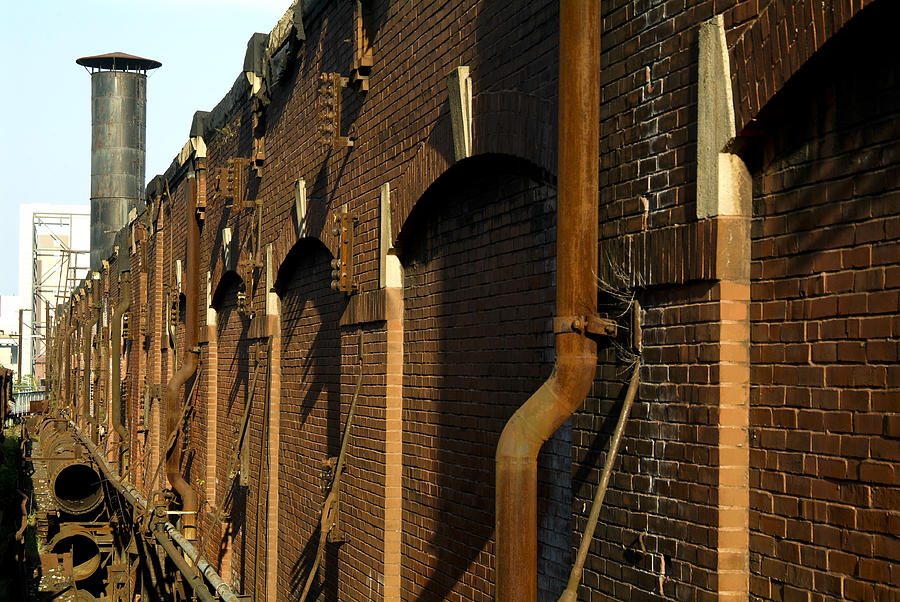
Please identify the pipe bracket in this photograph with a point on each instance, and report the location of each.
(590, 326)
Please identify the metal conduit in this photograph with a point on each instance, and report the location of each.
(220, 587)
(134, 497)
(189, 574)
(116, 336)
(571, 592)
(191, 357)
(576, 303)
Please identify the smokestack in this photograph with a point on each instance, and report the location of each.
(118, 125)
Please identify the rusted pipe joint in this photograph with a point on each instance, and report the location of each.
(592, 325)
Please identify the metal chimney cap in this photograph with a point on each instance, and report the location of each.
(118, 61)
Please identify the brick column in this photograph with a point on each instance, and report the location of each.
(273, 324)
(211, 384)
(733, 267)
(391, 279)
(724, 196)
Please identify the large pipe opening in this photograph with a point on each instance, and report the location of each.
(77, 488)
(74, 484)
(85, 553)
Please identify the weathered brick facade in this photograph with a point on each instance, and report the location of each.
(760, 457)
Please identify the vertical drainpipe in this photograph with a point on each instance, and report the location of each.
(71, 384)
(65, 342)
(191, 360)
(93, 311)
(576, 300)
(69, 366)
(116, 370)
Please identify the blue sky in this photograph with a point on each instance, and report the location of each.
(45, 99)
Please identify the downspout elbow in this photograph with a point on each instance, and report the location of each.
(191, 359)
(516, 464)
(173, 471)
(557, 398)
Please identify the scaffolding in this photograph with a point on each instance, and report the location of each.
(57, 266)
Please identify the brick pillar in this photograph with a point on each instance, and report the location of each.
(724, 196)
(211, 384)
(733, 267)
(391, 279)
(273, 323)
(156, 309)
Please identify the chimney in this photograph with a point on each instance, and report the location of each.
(118, 126)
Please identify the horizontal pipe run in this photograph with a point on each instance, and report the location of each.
(75, 485)
(134, 497)
(191, 576)
(220, 587)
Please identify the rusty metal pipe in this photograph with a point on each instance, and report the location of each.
(68, 363)
(576, 295)
(121, 308)
(191, 361)
(74, 483)
(93, 305)
(84, 549)
(86, 370)
(189, 572)
(20, 534)
(134, 497)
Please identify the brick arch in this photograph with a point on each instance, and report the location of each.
(225, 280)
(287, 241)
(509, 123)
(785, 35)
(282, 258)
(282, 246)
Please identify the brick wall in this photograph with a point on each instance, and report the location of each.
(234, 373)
(478, 302)
(310, 413)
(826, 239)
(476, 241)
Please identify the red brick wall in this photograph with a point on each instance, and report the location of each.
(234, 374)
(825, 339)
(311, 412)
(478, 252)
(478, 302)
(657, 530)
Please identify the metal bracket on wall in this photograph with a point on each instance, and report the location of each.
(200, 199)
(592, 325)
(330, 111)
(342, 272)
(231, 183)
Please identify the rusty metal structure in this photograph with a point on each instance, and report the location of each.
(74, 481)
(577, 324)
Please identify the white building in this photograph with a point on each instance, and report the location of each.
(54, 244)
